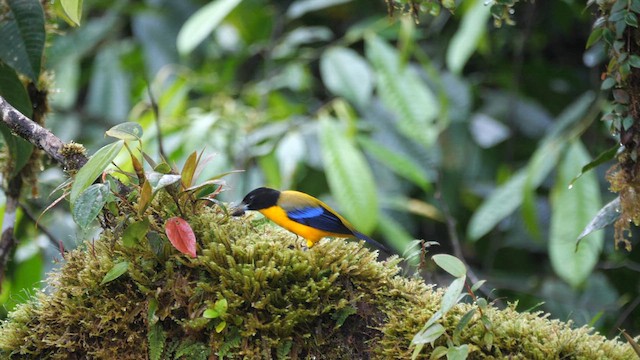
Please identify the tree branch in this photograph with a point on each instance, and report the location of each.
(37, 135)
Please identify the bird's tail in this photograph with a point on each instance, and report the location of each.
(364, 237)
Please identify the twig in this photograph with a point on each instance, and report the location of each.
(156, 114)
(7, 240)
(624, 315)
(52, 238)
(37, 135)
(455, 240)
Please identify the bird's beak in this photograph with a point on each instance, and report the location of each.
(239, 210)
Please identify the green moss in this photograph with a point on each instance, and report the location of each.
(333, 301)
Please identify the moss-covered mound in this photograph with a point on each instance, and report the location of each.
(334, 301)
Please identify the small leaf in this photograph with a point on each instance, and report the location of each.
(464, 321)
(94, 168)
(431, 334)
(634, 60)
(600, 159)
(458, 352)
(452, 294)
(450, 264)
(221, 325)
(210, 314)
(73, 11)
(116, 271)
(189, 169)
(135, 233)
(128, 131)
(89, 204)
(477, 285)
(159, 180)
(202, 23)
(152, 318)
(341, 316)
(146, 195)
(606, 216)
(157, 338)
(221, 306)
(438, 352)
(181, 235)
(595, 35)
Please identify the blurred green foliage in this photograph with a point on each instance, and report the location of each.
(398, 124)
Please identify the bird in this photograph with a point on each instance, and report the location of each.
(302, 214)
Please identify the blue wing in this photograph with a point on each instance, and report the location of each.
(319, 218)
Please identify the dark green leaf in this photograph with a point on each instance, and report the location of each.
(22, 36)
(13, 91)
(94, 168)
(595, 35)
(128, 131)
(607, 215)
(135, 233)
(634, 60)
(89, 204)
(116, 271)
(608, 83)
(600, 159)
(631, 19)
(341, 316)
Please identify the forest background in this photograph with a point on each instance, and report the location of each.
(465, 128)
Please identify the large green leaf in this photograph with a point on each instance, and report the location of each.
(349, 176)
(22, 37)
(501, 203)
(13, 91)
(403, 91)
(108, 95)
(347, 74)
(573, 208)
(468, 36)
(202, 23)
(94, 168)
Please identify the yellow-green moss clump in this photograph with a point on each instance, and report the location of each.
(334, 301)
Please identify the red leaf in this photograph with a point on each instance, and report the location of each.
(181, 235)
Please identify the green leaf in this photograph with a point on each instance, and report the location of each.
(14, 92)
(116, 271)
(89, 204)
(301, 7)
(458, 352)
(464, 321)
(600, 159)
(429, 335)
(110, 84)
(607, 215)
(128, 131)
(210, 314)
(405, 93)
(452, 294)
(502, 202)
(341, 316)
(158, 180)
(202, 23)
(631, 19)
(466, 39)
(156, 338)
(450, 264)
(283, 350)
(93, 169)
(221, 325)
(595, 35)
(189, 169)
(349, 176)
(347, 74)
(135, 233)
(634, 60)
(22, 36)
(397, 162)
(73, 11)
(571, 210)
